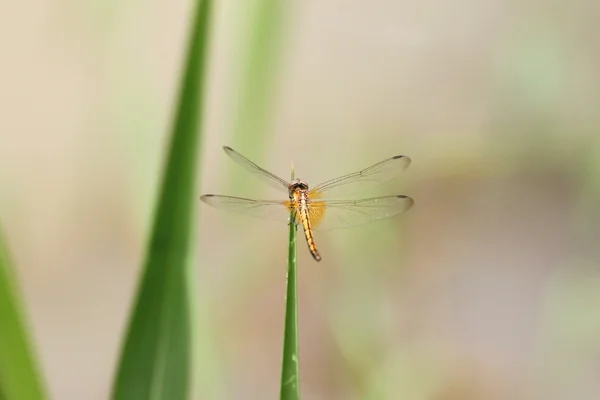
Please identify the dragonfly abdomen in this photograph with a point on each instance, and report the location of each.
(304, 205)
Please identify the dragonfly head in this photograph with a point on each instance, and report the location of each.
(296, 185)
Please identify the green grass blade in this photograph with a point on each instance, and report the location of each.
(263, 25)
(156, 359)
(290, 383)
(19, 374)
(261, 57)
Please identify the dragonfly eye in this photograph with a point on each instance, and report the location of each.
(297, 184)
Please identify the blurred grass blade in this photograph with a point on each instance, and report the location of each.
(19, 374)
(290, 386)
(260, 46)
(156, 359)
(262, 27)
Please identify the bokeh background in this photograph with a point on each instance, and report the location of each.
(489, 288)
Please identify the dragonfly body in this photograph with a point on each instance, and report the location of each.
(313, 208)
(300, 202)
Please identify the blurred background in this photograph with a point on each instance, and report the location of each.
(489, 288)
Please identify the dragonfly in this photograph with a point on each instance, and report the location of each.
(320, 208)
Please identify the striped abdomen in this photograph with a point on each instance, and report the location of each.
(304, 211)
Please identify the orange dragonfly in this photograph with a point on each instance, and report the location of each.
(312, 207)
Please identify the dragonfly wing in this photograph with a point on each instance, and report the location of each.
(265, 209)
(327, 215)
(362, 180)
(251, 167)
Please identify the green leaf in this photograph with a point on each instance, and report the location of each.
(260, 55)
(263, 27)
(19, 374)
(290, 384)
(156, 359)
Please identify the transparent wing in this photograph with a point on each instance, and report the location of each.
(265, 209)
(326, 215)
(362, 180)
(272, 179)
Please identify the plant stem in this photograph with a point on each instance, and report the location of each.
(290, 389)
